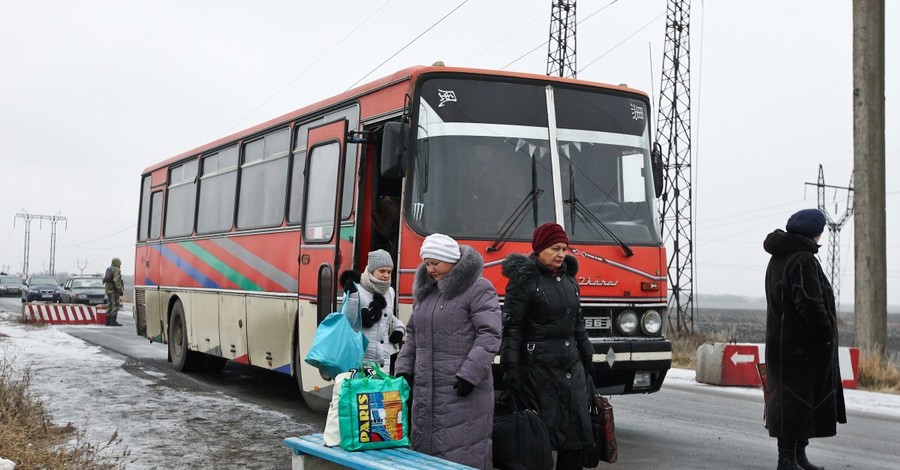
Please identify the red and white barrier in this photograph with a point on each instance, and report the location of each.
(735, 364)
(69, 314)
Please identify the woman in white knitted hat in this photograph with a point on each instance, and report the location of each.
(372, 290)
(451, 340)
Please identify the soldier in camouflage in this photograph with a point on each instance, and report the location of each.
(114, 290)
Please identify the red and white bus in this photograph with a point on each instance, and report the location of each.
(241, 241)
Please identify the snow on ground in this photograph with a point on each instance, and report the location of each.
(80, 383)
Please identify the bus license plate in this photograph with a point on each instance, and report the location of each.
(596, 322)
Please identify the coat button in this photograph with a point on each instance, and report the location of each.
(558, 279)
(385, 315)
(382, 342)
(568, 376)
(568, 310)
(567, 343)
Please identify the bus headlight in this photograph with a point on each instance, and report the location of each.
(626, 322)
(651, 322)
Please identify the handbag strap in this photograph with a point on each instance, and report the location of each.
(358, 322)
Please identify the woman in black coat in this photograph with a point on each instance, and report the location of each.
(545, 353)
(804, 395)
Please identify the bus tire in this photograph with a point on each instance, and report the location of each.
(183, 359)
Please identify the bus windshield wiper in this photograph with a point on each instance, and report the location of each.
(515, 219)
(579, 210)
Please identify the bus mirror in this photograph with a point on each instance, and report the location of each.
(393, 149)
(657, 166)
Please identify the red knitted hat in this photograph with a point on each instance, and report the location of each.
(548, 235)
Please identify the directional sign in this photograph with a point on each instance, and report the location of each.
(738, 358)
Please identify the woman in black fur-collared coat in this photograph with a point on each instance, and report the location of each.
(804, 395)
(545, 353)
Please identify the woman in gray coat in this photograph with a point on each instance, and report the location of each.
(451, 340)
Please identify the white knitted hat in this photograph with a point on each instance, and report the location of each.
(379, 259)
(440, 247)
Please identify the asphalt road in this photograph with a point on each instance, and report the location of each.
(684, 426)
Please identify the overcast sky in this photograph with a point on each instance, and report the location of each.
(93, 92)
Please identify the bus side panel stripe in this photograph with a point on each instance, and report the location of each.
(219, 266)
(186, 267)
(286, 281)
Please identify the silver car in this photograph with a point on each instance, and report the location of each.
(84, 290)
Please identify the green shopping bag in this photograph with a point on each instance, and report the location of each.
(372, 409)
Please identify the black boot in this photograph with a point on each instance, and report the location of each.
(802, 461)
(787, 455)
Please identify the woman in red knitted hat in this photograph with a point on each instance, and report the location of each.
(545, 353)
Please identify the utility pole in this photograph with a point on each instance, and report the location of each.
(561, 48)
(673, 134)
(834, 232)
(870, 299)
(53, 220)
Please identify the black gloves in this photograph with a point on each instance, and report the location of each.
(588, 364)
(348, 280)
(369, 317)
(409, 379)
(463, 387)
(395, 337)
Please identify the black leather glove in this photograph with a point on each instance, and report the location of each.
(588, 364)
(348, 280)
(369, 317)
(395, 337)
(409, 379)
(463, 387)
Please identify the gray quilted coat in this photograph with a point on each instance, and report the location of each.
(454, 331)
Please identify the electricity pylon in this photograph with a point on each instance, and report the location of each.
(834, 232)
(561, 48)
(53, 220)
(673, 134)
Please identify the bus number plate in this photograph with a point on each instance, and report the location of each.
(596, 322)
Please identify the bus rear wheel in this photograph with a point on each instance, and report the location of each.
(183, 359)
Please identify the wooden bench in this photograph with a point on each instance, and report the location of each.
(310, 453)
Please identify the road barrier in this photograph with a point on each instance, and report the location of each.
(68, 314)
(734, 364)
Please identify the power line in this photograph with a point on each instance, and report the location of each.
(408, 44)
(289, 83)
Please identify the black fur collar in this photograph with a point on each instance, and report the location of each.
(524, 268)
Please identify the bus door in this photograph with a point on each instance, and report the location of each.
(320, 251)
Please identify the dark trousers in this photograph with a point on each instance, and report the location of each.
(570, 459)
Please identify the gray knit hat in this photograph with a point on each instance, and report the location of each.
(379, 259)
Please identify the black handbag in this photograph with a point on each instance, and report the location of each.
(520, 439)
(603, 428)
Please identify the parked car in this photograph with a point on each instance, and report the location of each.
(10, 285)
(84, 290)
(42, 287)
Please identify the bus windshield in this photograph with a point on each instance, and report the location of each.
(483, 165)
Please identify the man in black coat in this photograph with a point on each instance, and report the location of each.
(804, 395)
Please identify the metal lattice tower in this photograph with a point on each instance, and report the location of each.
(53, 220)
(561, 48)
(673, 133)
(834, 232)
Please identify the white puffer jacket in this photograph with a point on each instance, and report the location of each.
(380, 349)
